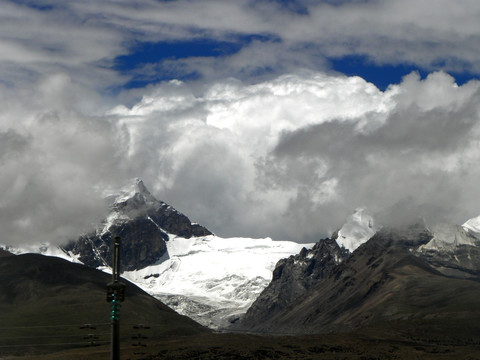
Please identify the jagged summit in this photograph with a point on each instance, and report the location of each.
(135, 189)
(144, 224)
(135, 201)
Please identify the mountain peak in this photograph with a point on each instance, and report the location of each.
(358, 229)
(472, 225)
(141, 186)
(135, 189)
(144, 224)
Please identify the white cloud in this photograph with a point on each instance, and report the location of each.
(287, 157)
(83, 38)
(291, 157)
(55, 161)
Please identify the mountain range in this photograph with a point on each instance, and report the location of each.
(363, 276)
(211, 279)
(412, 278)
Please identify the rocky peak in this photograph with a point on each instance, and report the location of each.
(144, 224)
(357, 229)
(294, 276)
(135, 197)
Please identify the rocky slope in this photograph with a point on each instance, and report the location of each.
(387, 279)
(294, 276)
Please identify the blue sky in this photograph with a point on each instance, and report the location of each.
(254, 117)
(136, 44)
(382, 75)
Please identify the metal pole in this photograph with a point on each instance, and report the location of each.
(116, 260)
(115, 294)
(115, 340)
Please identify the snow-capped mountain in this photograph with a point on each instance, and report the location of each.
(473, 226)
(203, 276)
(453, 249)
(448, 236)
(144, 223)
(384, 282)
(357, 229)
(208, 278)
(300, 295)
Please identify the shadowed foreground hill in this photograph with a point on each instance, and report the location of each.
(37, 290)
(45, 300)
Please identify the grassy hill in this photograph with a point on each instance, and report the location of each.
(45, 303)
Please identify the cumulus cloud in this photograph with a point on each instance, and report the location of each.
(292, 157)
(288, 155)
(288, 158)
(55, 161)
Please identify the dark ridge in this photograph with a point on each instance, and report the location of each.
(47, 298)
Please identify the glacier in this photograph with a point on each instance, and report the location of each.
(211, 279)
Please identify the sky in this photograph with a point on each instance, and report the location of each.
(258, 118)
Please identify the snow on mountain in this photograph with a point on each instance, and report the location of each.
(472, 225)
(211, 279)
(198, 274)
(448, 236)
(45, 249)
(358, 229)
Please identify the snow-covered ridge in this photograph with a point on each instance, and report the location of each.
(358, 229)
(46, 249)
(473, 225)
(447, 237)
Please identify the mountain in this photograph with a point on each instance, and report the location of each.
(453, 250)
(211, 279)
(388, 282)
(294, 276)
(357, 229)
(144, 223)
(46, 302)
